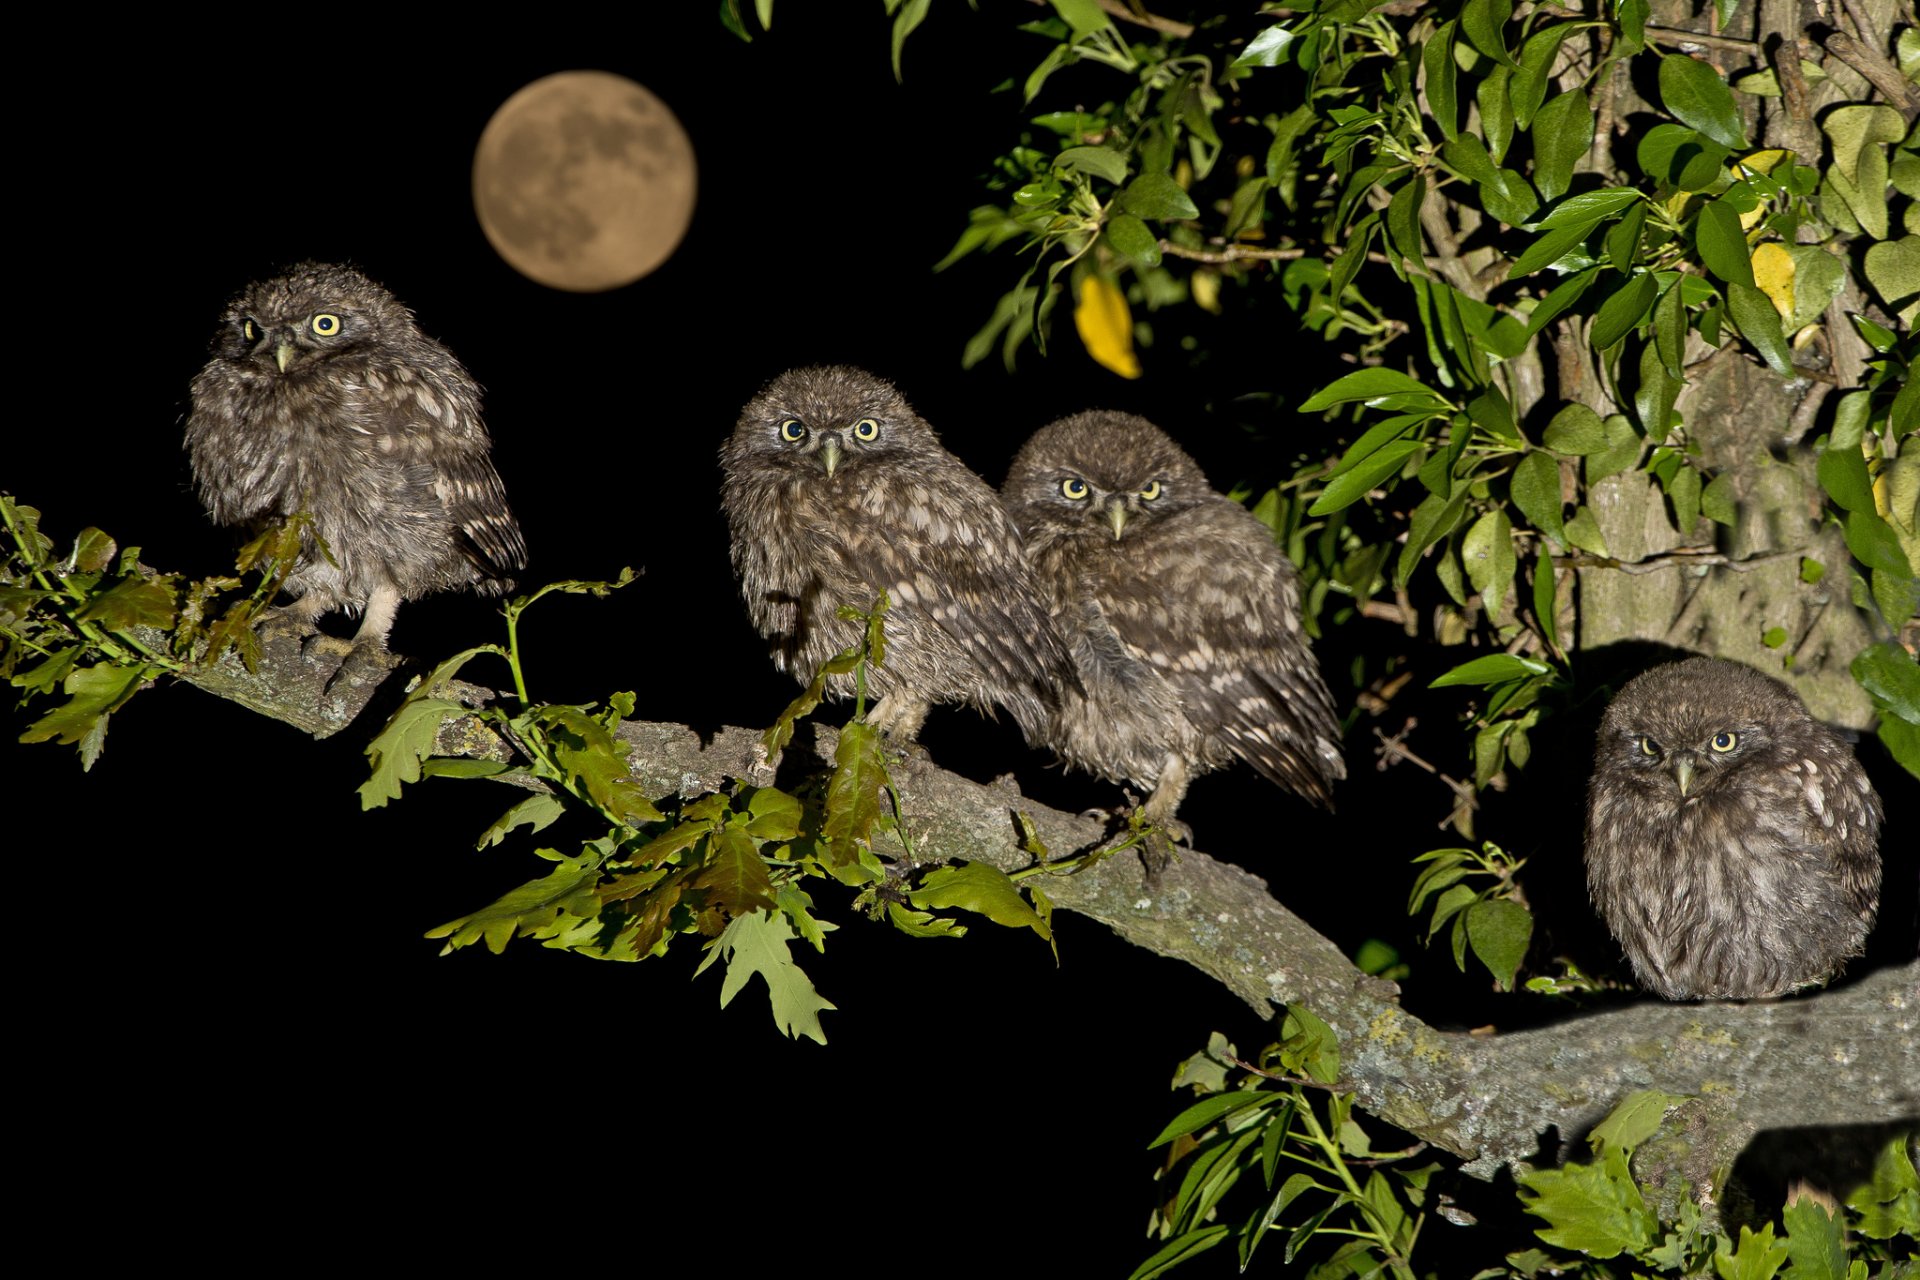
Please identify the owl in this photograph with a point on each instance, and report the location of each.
(323, 396)
(835, 491)
(1733, 842)
(1183, 614)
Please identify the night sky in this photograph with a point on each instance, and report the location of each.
(228, 960)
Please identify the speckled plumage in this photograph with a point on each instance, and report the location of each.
(324, 396)
(1183, 614)
(836, 490)
(1733, 842)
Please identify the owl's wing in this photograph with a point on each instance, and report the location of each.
(965, 570)
(1214, 607)
(434, 415)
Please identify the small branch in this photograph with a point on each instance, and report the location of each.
(1232, 253)
(1140, 18)
(1880, 73)
(1672, 560)
(1669, 35)
(1805, 412)
(1392, 750)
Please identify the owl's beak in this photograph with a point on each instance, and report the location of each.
(830, 454)
(283, 355)
(1683, 772)
(1117, 516)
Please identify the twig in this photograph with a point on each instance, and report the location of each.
(1392, 750)
(1232, 253)
(1672, 560)
(1672, 35)
(1868, 62)
(1141, 18)
(1805, 412)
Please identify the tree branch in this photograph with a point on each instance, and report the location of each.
(1487, 1099)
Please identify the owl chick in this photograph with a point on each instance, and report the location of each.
(835, 491)
(323, 396)
(1733, 842)
(1183, 614)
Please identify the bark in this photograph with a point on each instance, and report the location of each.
(1493, 1100)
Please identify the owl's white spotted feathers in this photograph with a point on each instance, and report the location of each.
(324, 396)
(1183, 614)
(835, 491)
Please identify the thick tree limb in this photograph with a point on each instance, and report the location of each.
(1847, 1056)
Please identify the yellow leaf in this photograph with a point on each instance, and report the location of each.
(1773, 272)
(1206, 290)
(1760, 161)
(1106, 326)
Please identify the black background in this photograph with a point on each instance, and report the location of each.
(229, 990)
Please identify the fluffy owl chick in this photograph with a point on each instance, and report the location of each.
(1733, 842)
(324, 396)
(836, 490)
(1183, 614)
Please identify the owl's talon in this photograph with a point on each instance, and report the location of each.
(284, 623)
(361, 664)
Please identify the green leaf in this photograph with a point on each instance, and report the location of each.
(1583, 531)
(1484, 22)
(908, 16)
(1843, 474)
(1499, 931)
(853, 792)
(1157, 196)
(1536, 491)
(773, 814)
(1468, 154)
(592, 760)
(1546, 599)
(978, 887)
(1684, 491)
(1547, 249)
(397, 750)
(735, 874)
(1624, 310)
(1084, 16)
(1875, 545)
(1621, 454)
(1441, 80)
(1179, 1249)
(1345, 490)
(1716, 500)
(1508, 197)
(1368, 384)
(1496, 112)
(1562, 134)
(537, 812)
(1101, 162)
(1267, 49)
(1403, 219)
(1756, 1258)
(757, 944)
(1529, 86)
(1893, 269)
(1591, 1208)
(1816, 1249)
(1487, 553)
(1128, 235)
(1889, 1205)
(1759, 324)
(1495, 668)
(1722, 245)
(565, 894)
(1209, 1110)
(1564, 295)
(1670, 330)
(132, 602)
(1892, 678)
(1308, 1045)
(1590, 207)
(1634, 1119)
(1694, 94)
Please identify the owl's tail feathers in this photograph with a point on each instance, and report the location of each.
(1309, 760)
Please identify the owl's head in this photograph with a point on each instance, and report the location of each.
(1691, 727)
(1101, 474)
(316, 311)
(824, 421)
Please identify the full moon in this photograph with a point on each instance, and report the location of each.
(584, 181)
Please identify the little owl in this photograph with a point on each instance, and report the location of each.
(1183, 614)
(835, 491)
(1732, 839)
(323, 396)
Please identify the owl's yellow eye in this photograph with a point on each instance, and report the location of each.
(1724, 741)
(249, 330)
(1648, 747)
(793, 430)
(325, 325)
(866, 429)
(1074, 488)
(1151, 492)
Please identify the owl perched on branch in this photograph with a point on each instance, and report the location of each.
(1183, 614)
(324, 396)
(1733, 842)
(835, 491)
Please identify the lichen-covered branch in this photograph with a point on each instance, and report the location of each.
(1848, 1056)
